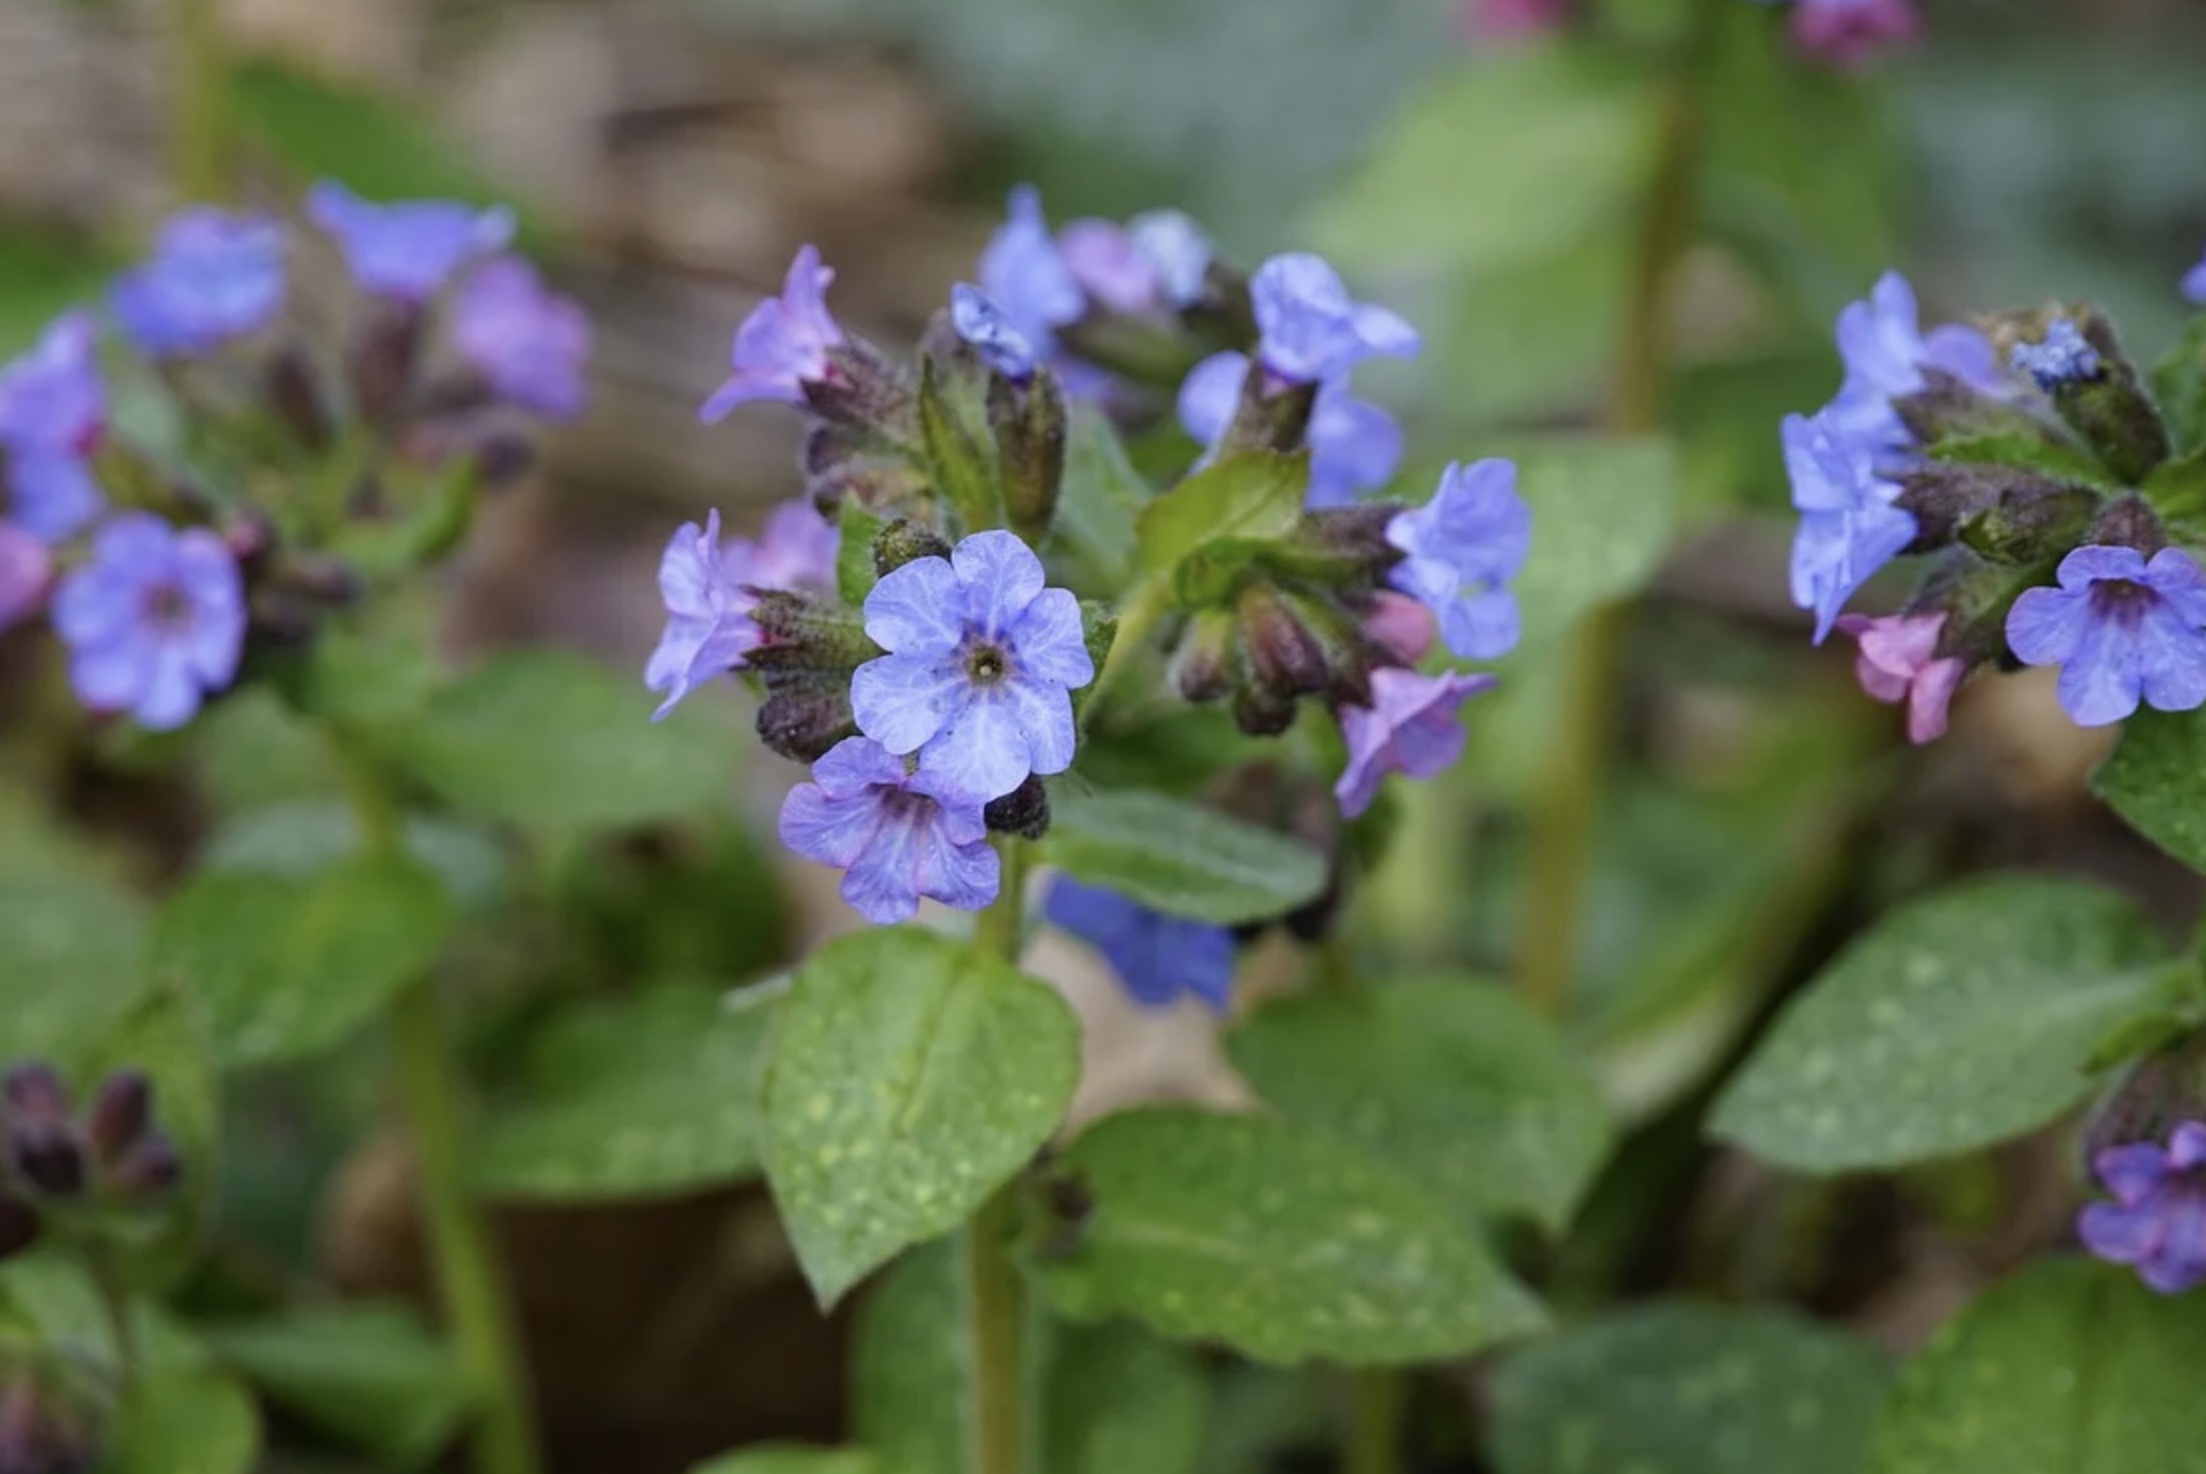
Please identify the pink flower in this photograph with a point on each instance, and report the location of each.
(1400, 626)
(1491, 22)
(1899, 662)
(1852, 33)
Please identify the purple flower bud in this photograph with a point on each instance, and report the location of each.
(983, 323)
(706, 585)
(33, 1093)
(2063, 357)
(1401, 626)
(1852, 33)
(1159, 958)
(1849, 527)
(214, 276)
(981, 665)
(1410, 727)
(1354, 445)
(26, 569)
(148, 1169)
(47, 1158)
(120, 1114)
(528, 343)
(1460, 549)
(2121, 629)
(1026, 274)
(407, 250)
(896, 835)
(154, 622)
(53, 409)
(1886, 353)
(2194, 283)
(1899, 662)
(783, 344)
(2157, 1221)
(1309, 328)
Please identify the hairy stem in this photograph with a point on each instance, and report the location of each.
(998, 1386)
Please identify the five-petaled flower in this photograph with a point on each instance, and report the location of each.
(154, 622)
(1849, 527)
(53, 408)
(1410, 727)
(2121, 628)
(214, 276)
(1354, 445)
(896, 835)
(1459, 550)
(1309, 330)
(529, 344)
(1886, 353)
(1159, 958)
(406, 250)
(982, 660)
(2062, 357)
(783, 344)
(2157, 1221)
(706, 586)
(1899, 662)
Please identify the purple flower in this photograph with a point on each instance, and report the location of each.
(783, 344)
(25, 569)
(1310, 330)
(1885, 354)
(1460, 548)
(2063, 357)
(1177, 252)
(1410, 727)
(2157, 1220)
(2120, 629)
(1155, 261)
(1354, 445)
(983, 323)
(1850, 33)
(1499, 22)
(1849, 527)
(1026, 273)
(1899, 662)
(214, 276)
(154, 622)
(897, 836)
(53, 407)
(406, 250)
(1159, 958)
(706, 586)
(982, 659)
(529, 344)
(2194, 283)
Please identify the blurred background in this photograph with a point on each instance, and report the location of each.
(668, 156)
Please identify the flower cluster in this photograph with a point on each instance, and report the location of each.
(2021, 458)
(2157, 1219)
(915, 622)
(162, 575)
(53, 1157)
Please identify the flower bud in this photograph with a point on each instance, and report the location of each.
(47, 1158)
(296, 398)
(120, 1115)
(905, 541)
(1029, 424)
(2003, 512)
(384, 358)
(2165, 1087)
(804, 632)
(152, 1168)
(2129, 522)
(1302, 645)
(2079, 364)
(1948, 408)
(32, 1094)
(1268, 417)
(805, 714)
(1023, 811)
(863, 390)
(1205, 661)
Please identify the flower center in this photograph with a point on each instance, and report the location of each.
(166, 606)
(2122, 600)
(986, 663)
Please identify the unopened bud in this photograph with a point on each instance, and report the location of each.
(905, 541)
(805, 632)
(1399, 625)
(1203, 665)
(47, 1158)
(1269, 416)
(1023, 811)
(2129, 522)
(2157, 1092)
(296, 398)
(865, 391)
(121, 1113)
(152, 1168)
(803, 718)
(2002, 512)
(2078, 362)
(1029, 424)
(1284, 653)
(33, 1094)
(384, 358)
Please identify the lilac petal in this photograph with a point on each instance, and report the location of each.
(1023, 269)
(1102, 256)
(52, 494)
(993, 333)
(1001, 577)
(1177, 251)
(109, 677)
(882, 882)
(831, 830)
(854, 765)
(2095, 561)
(2181, 1260)
(2171, 659)
(1963, 352)
(2167, 1275)
(2045, 626)
(984, 749)
(2186, 1147)
(963, 815)
(902, 701)
(797, 549)
(918, 609)
(171, 696)
(1209, 395)
(1386, 332)
(2100, 683)
(1048, 643)
(1355, 446)
(2131, 1171)
(1043, 710)
(965, 876)
(1482, 626)
(2122, 1235)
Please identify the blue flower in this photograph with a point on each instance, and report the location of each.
(2157, 1221)
(2194, 283)
(1027, 275)
(783, 344)
(407, 250)
(982, 659)
(155, 621)
(1885, 354)
(706, 586)
(1159, 958)
(2063, 357)
(1410, 727)
(1310, 330)
(1354, 445)
(26, 567)
(529, 345)
(214, 276)
(1849, 527)
(983, 323)
(1177, 252)
(896, 835)
(1461, 548)
(2121, 629)
(53, 407)
(1154, 262)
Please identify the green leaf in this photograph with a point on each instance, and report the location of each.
(1580, 147)
(1688, 1389)
(311, 835)
(2070, 1367)
(1449, 1080)
(72, 957)
(1118, 1399)
(290, 967)
(2179, 386)
(46, 273)
(910, 1077)
(1958, 1021)
(2029, 453)
(791, 1458)
(960, 457)
(855, 574)
(1284, 1245)
(1179, 857)
(1602, 510)
(372, 1375)
(652, 1094)
(907, 1382)
(185, 1422)
(1103, 495)
(547, 738)
(2156, 779)
(1249, 498)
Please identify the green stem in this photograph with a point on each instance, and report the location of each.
(200, 95)
(476, 1302)
(999, 1424)
(1150, 601)
(1375, 1429)
(115, 1307)
(1570, 783)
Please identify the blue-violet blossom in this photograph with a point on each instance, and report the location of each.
(783, 344)
(2157, 1221)
(706, 586)
(1354, 445)
(1155, 261)
(406, 250)
(529, 344)
(981, 321)
(1410, 727)
(154, 622)
(1460, 549)
(213, 277)
(896, 835)
(26, 566)
(1025, 272)
(2121, 629)
(53, 407)
(2063, 357)
(1886, 352)
(2194, 283)
(1310, 330)
(1159, 958)
(981, 664)
(1849, 527)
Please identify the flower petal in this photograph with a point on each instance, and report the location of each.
(901, 701)
(984, 749)
(2046, 625)
(1047, 642)
(918, 609)
(831, 830)
(1001, 576)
